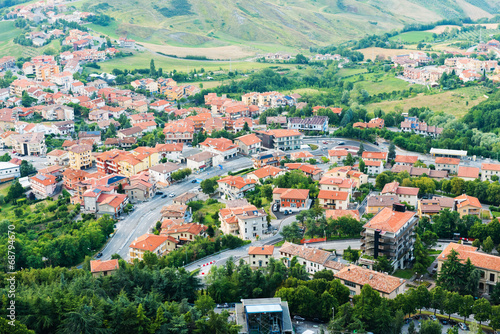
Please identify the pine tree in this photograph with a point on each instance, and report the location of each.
(392, 152)
(362, 166)
(421, 257)
(152, 69)
(361, 149)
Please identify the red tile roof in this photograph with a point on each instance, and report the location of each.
(407, 159)
(377, 280)
(447, 161)
(97, 266)
(465, 200)
(468, 172)
(150, 242)
(478, 259)
(249, 139)
(333, 195)
(495, 167)
(374, 155)
(261, 250)
(389, 221)
(292, 193)
(336, 214)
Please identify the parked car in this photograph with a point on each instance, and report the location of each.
(433, 317)
(164, 196)
(159, 193)
(462, 326)
(340, 143)
(444, 321)
(99, 255)
(298, 318)
(171, 195)
(285, 212)
(325, 142)
(194, 181)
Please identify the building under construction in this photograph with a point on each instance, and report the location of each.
(264, 316)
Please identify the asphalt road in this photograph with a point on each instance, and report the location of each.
(146, 214)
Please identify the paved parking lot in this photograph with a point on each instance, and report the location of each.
(444, 329)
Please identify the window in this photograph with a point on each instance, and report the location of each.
(351, 284)
(492, 277)
(352, 293)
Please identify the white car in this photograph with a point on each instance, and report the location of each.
(171, 195)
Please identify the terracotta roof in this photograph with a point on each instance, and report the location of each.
(378, 281)
(57, 153)
(338, 181)
(495, 167)
(292, 193)
(374, 155)
(169, 147)
(447, 161)
(262, 250)
(338, 153)
(468, 172)
(114, 200)
(389, 221)
(236, 181)
(382, 200)
(394, 188)
(267, 171)
(333, 195)
(408, 159)
(334, 265)
(336, 214)
(150, 242)
(310, 169)
(278, 133)
(465, 200)
(167, 167)
(97, 266)
(202, 156)
(310, 254)
(301, 155)
(219, 144)
(44, 179)
(80, 148)
(192, 228)
(478, 259)
(249, 139)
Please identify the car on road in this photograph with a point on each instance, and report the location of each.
(194, 181)
(463, 326)
(99, 255)
(159, 193)
(340, 143)
(298, 318)
(325, 142)
(171, 195)
(164, 196)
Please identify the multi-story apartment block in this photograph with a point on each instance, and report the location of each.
(249, 144)
(313, 259)
(29, 144)
(246, 222)
(390, 233)
(490, 170)
(281, 139)
(80, 156)
(157, 244)
(314, 123)
(235, 187)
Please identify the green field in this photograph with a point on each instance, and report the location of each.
(383, 83)
(413, 37)
(142, 60)
(450, 102)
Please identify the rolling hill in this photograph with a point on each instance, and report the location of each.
(272, 25)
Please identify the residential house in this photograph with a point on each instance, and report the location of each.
(246, 222)
(467, 205)
(390, 233)
(29, 144)
(259, 256)
(220, 146)
(200, 160)
(183, 232)
(331, 199)
(418, 171)
(406, 160)
(139, 190)
(430, 207)
(265, 173)
(280, 139)
(43, 185)
(468, 173)
(175, 211)
(291, 200)
(490, 170)
(337, 156)
(374, 156)
(487, 264)
(408, 195)
(314, 123)
(377, 203)
(162, 173)
(80, 156)
(133, 132)
(156, 244)
(249, 144)
(312, 259)
(235, 187)
(355, 277)
(185, 198)
(337, 184)
(100, 268)
(372, 167)
(95, 136)
(180, 131)
(338, 213)
(268, 158)
(58, 112)
(447, 164)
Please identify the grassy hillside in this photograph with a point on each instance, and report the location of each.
(266, 25)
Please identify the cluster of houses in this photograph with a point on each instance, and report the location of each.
(416, 65)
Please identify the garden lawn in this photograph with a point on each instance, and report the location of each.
(404, 273)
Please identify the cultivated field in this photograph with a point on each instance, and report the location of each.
(450, 102)
(223, 52)
(441, 29)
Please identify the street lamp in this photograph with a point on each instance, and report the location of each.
(333, 312)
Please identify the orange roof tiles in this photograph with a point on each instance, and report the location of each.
(236, 181)
(192, 228)
(249, 139)
(495, 167)
(301, 155)
(292, 193)
(378, 281)
(150, 242)
(389, 221)
(468, 172)
(374, 155)
(267, 171)
(407, 159)
(220, 144)
(278, 133)
(44, 179)
(261, 250)
(479, 260)
(465, 200)
(333, 195)
(338, 153)
(447, 161)
(310, 254)
(336, 214)
(97, 266)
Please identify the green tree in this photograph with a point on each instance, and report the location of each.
(208, 186)
(488, 245)
(5, 158)
(15, 191)
(292, 232)
(361, 149)
(430, 327)
(421, 257)
(383, 264)
(85, 319)
(392, 152)
(152, 68)
(351, 255)
(481, 310)
(466, 306)
(204, 303)
(362, 166)
(216, 324)
(150, 259)
(349, 160)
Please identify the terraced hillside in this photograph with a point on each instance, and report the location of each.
(272, 25)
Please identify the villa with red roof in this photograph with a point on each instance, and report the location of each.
(337, 184)
(265, 173)
(103, 268)
(43, 185)
(468, 173)
(488, 264)
(220, 146)
(337, 156)
(405, 194)
(332, 199)
(468, 205)
(406, 160)
(490, 170)
(374, 156)
(156, 244)
(258, 256)
(235, 187)
(447, 164)
(249, 144)
(292, 200)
